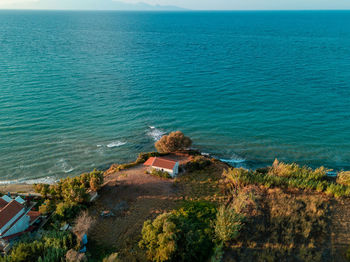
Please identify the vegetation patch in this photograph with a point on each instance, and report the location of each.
(290, 176)
(185, 234)
(344, 178)
(68, 196)
(173, 142)
(51, 246)
(278, 225)
(160, 173)
(142, 158)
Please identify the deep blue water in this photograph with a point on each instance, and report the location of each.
(80, 90)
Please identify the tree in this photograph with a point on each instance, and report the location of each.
(83, 223)
(96, 180)
(181, 235)
(173, 142)
(47, 207)
(43, 189)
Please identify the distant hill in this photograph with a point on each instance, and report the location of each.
(91, 5)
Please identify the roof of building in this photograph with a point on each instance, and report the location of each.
(20, 200)
(33, 215)
(6, 198)
(2, 203)
(9, 211)
(160, 162)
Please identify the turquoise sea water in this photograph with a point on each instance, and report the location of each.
(80, 90)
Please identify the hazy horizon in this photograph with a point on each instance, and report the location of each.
(193, 5)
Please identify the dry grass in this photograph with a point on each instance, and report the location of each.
(281, 226)
(340, 228)
(203, 184)
(144, 195)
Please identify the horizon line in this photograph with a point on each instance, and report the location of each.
(175, 10)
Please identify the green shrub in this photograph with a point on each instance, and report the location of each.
(336, 190)
(51, 246)
(344, 178)
(218, 253)
(228, 224)
(289, 176)
(198, 163)
(160, 173)
(348, 254)
(185, 234)
(67, 210)
(143, 157)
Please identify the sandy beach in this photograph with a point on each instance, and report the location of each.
(16, 188)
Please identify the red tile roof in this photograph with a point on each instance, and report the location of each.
(149, 161)
(160, 162)
(33, 215)
(3, 203)
(9, 211)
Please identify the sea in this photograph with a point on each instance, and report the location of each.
(82, 90)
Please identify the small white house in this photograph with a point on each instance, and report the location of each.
(15, 217)
(163, 164)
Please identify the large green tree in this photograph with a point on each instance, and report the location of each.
(181, 235)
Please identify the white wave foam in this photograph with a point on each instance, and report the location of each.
(43, 180)
(155, 133)
(64, 166)
(116, 144)
(234, 160)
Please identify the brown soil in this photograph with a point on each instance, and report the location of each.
(143, 196)
(340, 229)
(16, 188)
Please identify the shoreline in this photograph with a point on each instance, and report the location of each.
(26, 186)
(17, 188)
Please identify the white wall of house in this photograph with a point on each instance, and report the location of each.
(11, 221)
(21, 225)
(169, 171)
(172, 172)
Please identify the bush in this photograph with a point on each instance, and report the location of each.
(47, 207)
(198, 163)
(173, 142)
(228, 224)
(160, 173)
(287, 176)
(348, 254)
(51, 246)
(75, 256)
(143, 157)
(112, 258)
(344, 178)
(67, 210)
(181, 235)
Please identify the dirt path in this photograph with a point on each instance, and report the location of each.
(133, 197)
(340, 230)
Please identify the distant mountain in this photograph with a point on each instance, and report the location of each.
(91, 5)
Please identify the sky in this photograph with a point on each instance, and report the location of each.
(187, 4)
